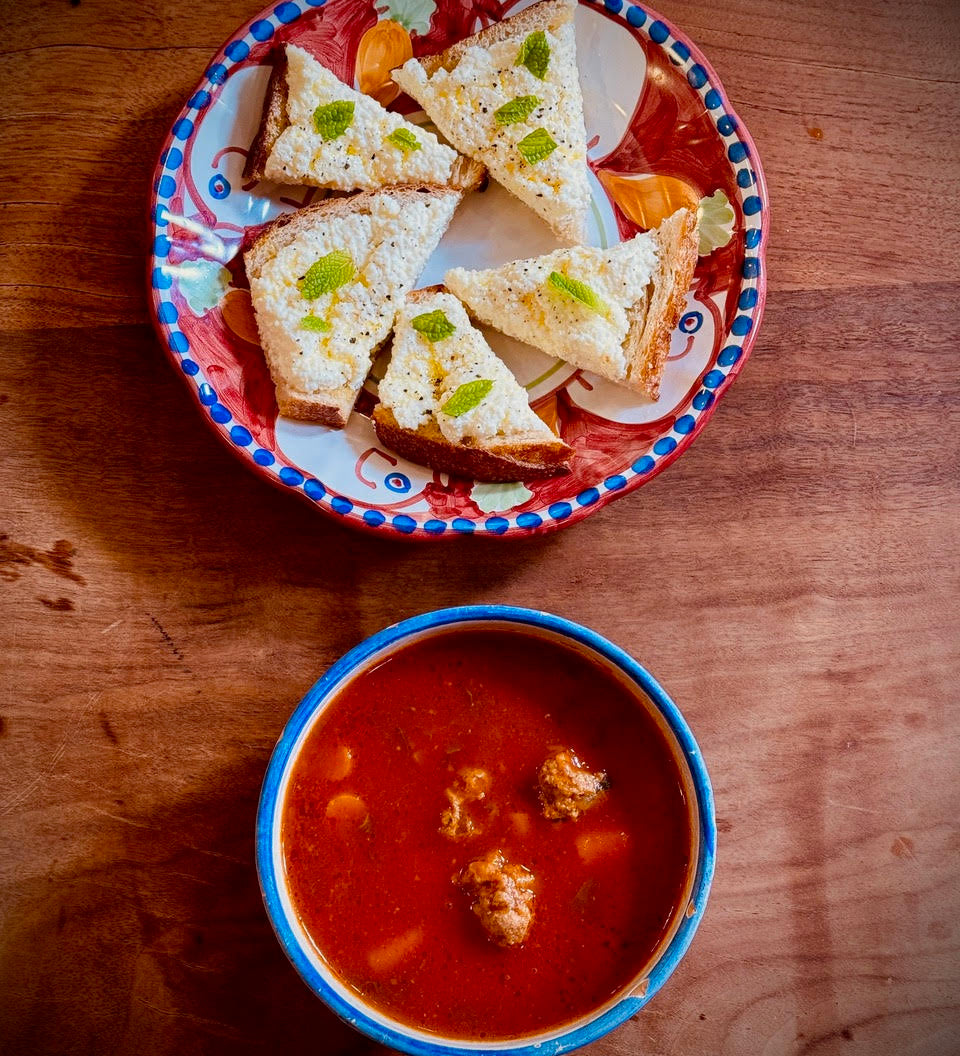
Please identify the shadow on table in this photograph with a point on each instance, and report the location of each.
(118, 445)
(165, 946)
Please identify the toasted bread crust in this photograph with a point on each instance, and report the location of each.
(548, 14)
(504, 462)
(327, 407)
(274, 118)
(648, 341)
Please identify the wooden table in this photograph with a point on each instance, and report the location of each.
(793, 579)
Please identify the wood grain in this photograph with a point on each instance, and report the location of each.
(794, 578)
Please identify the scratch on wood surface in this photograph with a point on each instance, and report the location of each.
(21, 796)
(176, 957)
(176, 1013)
(850, 806)
(116, 623)
(217, 854)
(194, 879)
(117, 817)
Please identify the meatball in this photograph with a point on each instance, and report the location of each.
(502, 897)
(567, 787)
(471, 785)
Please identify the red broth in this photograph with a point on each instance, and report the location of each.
(373, 884)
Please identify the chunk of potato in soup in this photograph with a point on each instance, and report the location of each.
(378, 885)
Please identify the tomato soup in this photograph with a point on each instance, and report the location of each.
(375, 882)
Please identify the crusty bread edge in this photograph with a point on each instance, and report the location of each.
(273, 120)
(548, 14)
(326, 407)
(505, 462)
(648, 340)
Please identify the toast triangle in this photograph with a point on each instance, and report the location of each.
(610, 311)
(447, 401)
(317, 130)
(509, 97)
(326, 282)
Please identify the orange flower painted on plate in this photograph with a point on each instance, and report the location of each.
(648, 200)
(238, 315)
(385, 46)
(549, 413)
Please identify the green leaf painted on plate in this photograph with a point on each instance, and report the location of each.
(537, 146)
(331, 120)
(498, 498)
(716, 222)
(577, 291)
(403, 139)
(516, 110)
(535, 54)
(467, 396)
(327, 274)
(413, 15)
(202, 283)
(435, 326)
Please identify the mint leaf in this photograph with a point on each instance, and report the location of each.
(333, 119)
(403, 139)
(434, 326)
(535, 54)
(313, 322)
(469, 395)
(537, 146)
(577, 291)
(516, 110)
(327, 274)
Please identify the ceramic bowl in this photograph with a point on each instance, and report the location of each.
(349, 1005)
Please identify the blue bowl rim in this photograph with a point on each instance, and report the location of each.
(580, 1033)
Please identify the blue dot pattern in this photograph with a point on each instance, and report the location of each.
(643, 465)
(697, 76)
(636, 16)
(287, 12)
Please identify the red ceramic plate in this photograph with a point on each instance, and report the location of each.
(661, 134)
